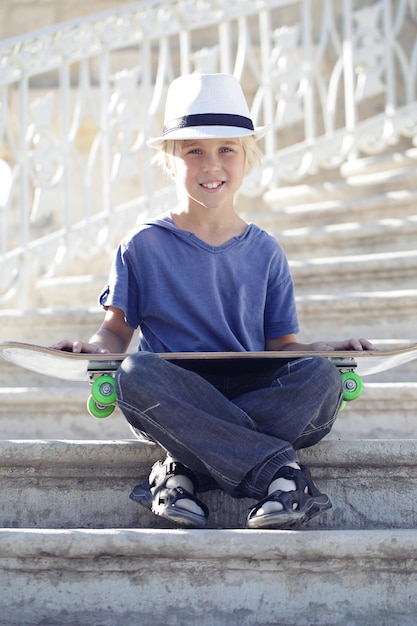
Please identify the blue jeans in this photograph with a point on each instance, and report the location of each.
(234, 432)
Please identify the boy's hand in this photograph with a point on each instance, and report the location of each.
(348, 344)
(65, 345)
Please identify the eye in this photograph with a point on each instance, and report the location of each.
(225, 149)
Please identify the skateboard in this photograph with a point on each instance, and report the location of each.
(99, 369)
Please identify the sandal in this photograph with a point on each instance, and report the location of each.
(164, 501)
(298, 506)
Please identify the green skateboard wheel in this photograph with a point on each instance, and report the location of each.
(103, 390)
(352, 386)
(99, 410)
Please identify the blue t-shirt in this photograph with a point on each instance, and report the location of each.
(189, 296)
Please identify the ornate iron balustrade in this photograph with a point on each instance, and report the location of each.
(334, 79)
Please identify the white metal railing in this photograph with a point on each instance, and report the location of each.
(78, 101)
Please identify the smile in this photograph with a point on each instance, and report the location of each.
(214, 185)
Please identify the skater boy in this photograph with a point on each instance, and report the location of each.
(199, 278)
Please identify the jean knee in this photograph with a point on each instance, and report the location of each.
(134, 367)
(326, 376)
(136, 362)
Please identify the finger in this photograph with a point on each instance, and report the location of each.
(356, 344)
(367, 345)
(361, 344)
(326, 347)
(89, 348)
(64, 345)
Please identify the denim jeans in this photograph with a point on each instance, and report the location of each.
(234, 432)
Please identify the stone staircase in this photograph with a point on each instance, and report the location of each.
(75, 550)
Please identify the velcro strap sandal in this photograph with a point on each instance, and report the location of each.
(166, 501)
(298, 506)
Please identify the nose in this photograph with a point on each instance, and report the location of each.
(211, 163)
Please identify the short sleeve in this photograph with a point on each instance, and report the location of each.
(122, 290)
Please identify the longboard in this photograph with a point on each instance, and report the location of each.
(99, 369)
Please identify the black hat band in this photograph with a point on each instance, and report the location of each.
(209, 119)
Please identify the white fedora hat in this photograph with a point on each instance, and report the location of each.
(206, 106)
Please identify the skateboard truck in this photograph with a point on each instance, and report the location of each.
(352, 383)
(102, 400)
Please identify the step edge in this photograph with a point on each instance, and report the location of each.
(49, 455)
(262, 545)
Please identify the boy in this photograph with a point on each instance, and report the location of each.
(202, 279)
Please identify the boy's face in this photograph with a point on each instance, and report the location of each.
(208, 172)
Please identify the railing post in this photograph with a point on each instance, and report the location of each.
(25, 266)
(104, 73)
(309, 106)
(65, 132)
(268, 97)
(6, 178)
(348, 65)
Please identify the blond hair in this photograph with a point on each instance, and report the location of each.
(252, 152)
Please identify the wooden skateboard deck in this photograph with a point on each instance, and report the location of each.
(93, 367)
(77, 367)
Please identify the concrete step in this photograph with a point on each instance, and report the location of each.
(373, 271)
(385, 410)
(45, 326)
(47, 412)
(354, 186)
(82, 484)
(386, 162)
(210, 578)
(53, 291)
(386, 314)
(317, 210)
(378, 236)
(385, 179)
